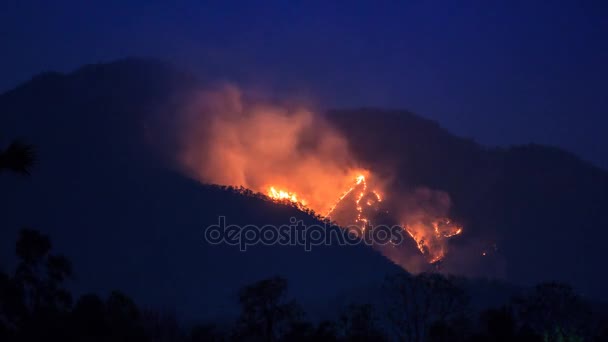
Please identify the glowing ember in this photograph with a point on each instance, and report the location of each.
(433, 245)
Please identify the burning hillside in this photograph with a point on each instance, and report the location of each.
(292, 154)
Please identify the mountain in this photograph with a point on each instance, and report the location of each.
(541, 206)
(129, 221)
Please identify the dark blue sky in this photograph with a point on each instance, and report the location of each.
(501, 72)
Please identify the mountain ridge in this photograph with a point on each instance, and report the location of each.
(518, 197)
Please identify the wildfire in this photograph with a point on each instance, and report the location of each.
(430, 237)
(358, 180)
(432, 245)
(360, 218)
(282, 195)
(294, 155)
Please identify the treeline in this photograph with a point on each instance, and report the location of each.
(35, 306)
(243, 191)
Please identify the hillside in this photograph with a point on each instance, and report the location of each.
(139, 224)
(129, 222)
(522, 198)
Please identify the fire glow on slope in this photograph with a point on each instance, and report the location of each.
(281, 195)
(430, 242)
(291, 154)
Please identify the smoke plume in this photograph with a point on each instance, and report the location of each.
(289, 152)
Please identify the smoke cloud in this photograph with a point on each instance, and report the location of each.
(290, 152)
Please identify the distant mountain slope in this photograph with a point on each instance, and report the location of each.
(542, 206)
(99, 182)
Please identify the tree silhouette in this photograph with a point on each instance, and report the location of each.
(416, 302)
(33, 301)
(41, 274)
(500, 324)
(123, 318)
(359, 323)
(34, 306)
(266, 315)
(12, 307)
(555, 309)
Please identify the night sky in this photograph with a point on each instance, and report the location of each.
(133, 160)
(500, 72)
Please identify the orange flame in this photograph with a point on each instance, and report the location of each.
(358, 180)
(430, 237)
(431, 242)
(291, 155)
(281, 195)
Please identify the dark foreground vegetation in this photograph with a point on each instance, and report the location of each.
(35, 306)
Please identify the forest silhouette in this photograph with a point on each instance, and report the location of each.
(35, 305)
(93, 186)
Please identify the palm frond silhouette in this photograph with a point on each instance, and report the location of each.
(18, 157)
